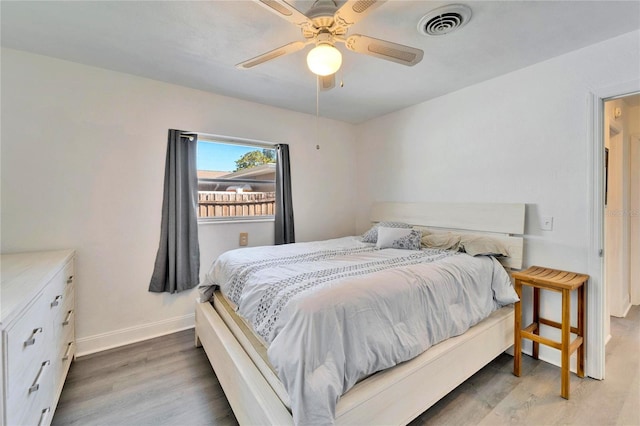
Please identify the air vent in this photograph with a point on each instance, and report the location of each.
(444, 20)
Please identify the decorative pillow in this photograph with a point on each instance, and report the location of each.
(478, 245)
(400, 238)
(371, 236)
(441, 240)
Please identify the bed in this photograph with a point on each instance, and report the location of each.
(240, 348)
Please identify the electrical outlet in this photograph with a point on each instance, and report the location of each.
(244, 238)
(546, 223)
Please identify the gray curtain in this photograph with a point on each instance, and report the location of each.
(177, 264)
(284, 232)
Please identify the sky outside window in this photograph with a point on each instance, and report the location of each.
(220, 156)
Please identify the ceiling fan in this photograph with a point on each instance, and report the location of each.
(325, 25)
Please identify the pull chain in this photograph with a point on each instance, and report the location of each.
(317, 112)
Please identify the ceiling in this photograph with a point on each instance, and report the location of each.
(197, 44)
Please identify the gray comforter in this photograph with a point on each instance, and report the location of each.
(334, 312)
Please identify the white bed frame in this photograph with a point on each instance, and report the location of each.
(421, 382)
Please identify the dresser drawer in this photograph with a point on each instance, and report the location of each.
(63, 362)
(70, 285)
(27, 402)
(65, 315)
(69, 271)
(28, 342)
(66, 321)
(64, 278)
(66, 338)
(56, 295)
(69, 277)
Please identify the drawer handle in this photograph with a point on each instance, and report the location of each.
(44, 416)
(31, 340)
(66, 321)
(66, 354)
(70, 279)
(36, 384)
(56, 301)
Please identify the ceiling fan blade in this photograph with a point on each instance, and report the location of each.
(275, 53)
(354, 10)
(327, 82)
(383, 49)
(286, 11)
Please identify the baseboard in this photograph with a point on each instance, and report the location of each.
(626, 311)
(125, 336)
(552, 356)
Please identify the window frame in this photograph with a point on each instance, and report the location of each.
(229, 140)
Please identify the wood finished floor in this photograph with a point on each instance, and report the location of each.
(167, 381)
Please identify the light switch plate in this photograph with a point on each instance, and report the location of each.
(546, 223)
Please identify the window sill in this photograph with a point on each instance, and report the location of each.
(229, 221)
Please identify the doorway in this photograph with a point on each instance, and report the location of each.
(621, 129)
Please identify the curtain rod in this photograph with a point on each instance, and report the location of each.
(228, 139)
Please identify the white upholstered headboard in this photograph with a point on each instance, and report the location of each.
(503, 221)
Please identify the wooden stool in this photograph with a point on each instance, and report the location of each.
(563, 282)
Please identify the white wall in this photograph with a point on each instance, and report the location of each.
(522, 137)
(83, 153)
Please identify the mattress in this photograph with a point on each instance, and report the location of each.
(331, 313)
(251, 343)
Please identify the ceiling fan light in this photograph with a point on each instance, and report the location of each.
(324, 59)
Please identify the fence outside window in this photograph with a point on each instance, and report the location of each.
(222, 204)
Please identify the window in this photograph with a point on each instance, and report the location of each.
(236, 179)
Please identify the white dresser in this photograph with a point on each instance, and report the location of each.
(37, 297)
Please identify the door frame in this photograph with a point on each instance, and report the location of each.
(634, 143)
(597, 312)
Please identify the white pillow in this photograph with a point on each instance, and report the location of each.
(395, 238)
(371, 236)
